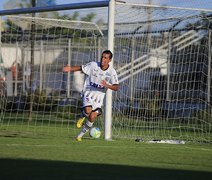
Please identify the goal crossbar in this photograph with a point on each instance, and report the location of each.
(63, 7)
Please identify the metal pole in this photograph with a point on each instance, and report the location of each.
(149, 27)
(44, 65)
(108, 102)
(132, 67)
(17, 69)
(41, 66)
(24, 70)
(32, 62)
(72, 6)
(99, 48)
(69, 63)
(209, 65)
(168, 67)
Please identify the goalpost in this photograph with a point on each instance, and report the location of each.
(162, 55)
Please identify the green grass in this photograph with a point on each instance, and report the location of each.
(23, 156)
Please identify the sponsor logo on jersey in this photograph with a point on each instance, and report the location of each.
(98, 86)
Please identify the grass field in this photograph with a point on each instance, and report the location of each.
(43, 157)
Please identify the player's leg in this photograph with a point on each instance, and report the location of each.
(88, 124)
(87, 102)
(85, 114)
(92, 101)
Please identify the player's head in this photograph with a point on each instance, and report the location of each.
(106, 59)
(108, 52)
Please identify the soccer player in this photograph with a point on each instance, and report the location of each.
(100, 76)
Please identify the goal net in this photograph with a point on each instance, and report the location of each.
(162, 55)
(36, 96)
(163, 60)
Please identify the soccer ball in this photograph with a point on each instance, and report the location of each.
(95, 132)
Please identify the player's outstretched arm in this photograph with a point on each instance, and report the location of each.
(72, 68)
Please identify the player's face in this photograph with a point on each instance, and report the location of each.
(105, 60)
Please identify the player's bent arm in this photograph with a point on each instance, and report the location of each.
(72, 68)
(113, 87)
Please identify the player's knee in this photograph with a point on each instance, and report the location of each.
(86, 112)
(92, 116)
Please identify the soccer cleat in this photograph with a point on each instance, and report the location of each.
(78, 139)
(80, 122)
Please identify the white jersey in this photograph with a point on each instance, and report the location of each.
(93, 90)
(95, 75)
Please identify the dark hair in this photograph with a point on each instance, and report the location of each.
(108, 52)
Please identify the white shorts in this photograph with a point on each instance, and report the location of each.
(93, 98)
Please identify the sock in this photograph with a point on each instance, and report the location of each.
(85, 128)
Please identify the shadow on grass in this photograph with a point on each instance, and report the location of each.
(57, 170)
